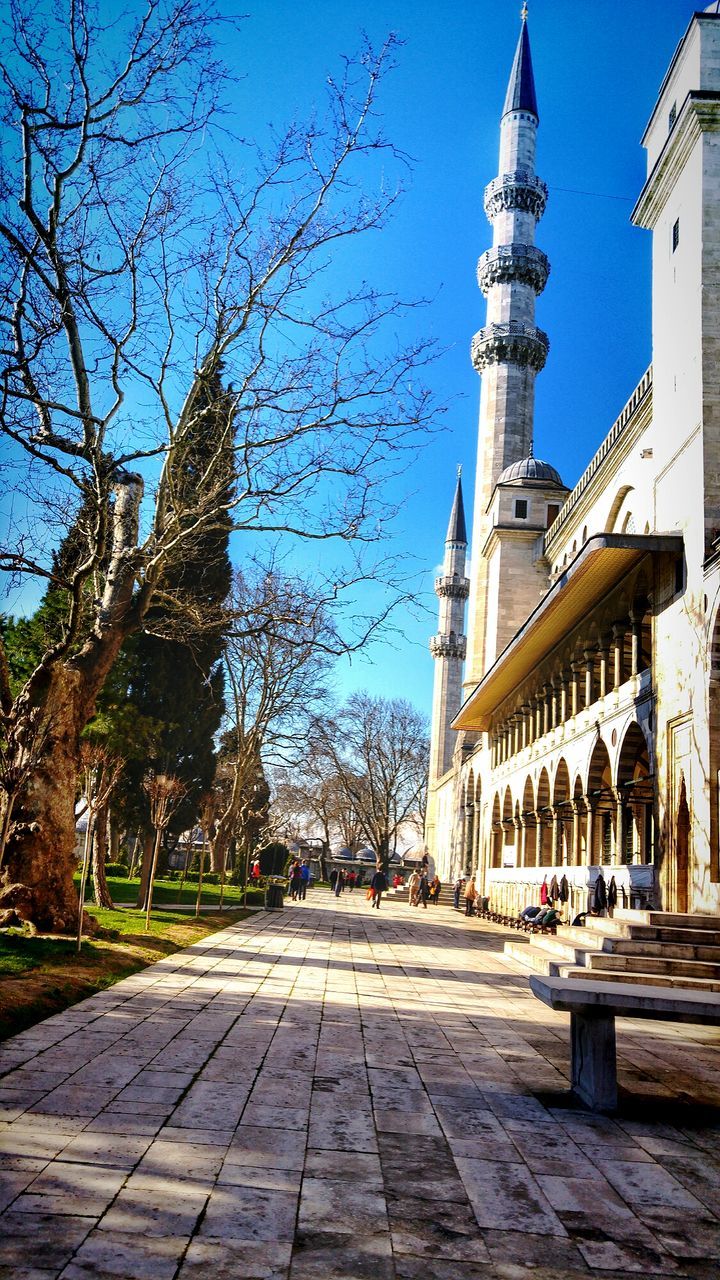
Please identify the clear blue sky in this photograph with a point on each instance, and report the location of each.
(598, 67)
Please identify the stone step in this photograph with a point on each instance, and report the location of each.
(605, 927)
(649, 964)
(640, 979)
(637, 946)
(560, 949)
(670, 919)
(533, 957)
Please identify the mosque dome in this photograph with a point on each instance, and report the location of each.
(529, 470)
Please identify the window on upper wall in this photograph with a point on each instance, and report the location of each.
(553, 512)
(521, 508)
(672, 116)
(675, 234)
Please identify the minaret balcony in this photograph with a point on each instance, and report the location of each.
(520, 189)
(511, 342)
(452, 587)
(452, 646)
(511, 263)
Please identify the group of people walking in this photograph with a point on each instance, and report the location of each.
(341, 880)
(422, 890)
(299, 879)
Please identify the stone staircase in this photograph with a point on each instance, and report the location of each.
(657, 948)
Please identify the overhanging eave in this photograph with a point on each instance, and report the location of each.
(602, 562)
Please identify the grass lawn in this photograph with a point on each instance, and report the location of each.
(40, 976)
(126, 891)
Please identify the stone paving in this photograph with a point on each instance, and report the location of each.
(333, 1093)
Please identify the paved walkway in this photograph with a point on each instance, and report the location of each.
(332, 1093)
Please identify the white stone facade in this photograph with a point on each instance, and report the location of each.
(589, 739)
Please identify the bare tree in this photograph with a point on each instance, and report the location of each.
(149, 279)
(277, 657)
(380, 751)
(164, 793)
(101, 772)
(311, 796)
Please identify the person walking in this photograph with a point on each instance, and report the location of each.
(470, 896)
(413, 885)
(304, 879)
(295, 880)
(350, 881)
(457, 890)
(423, 890)
(378, 884)
(339, 883)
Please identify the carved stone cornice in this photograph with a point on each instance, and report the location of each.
(700, 113)
(512, 341)
(452, 646)
(452, 587)
(520, 189)
(507, 263)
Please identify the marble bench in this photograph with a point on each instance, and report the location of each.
(593, 1008)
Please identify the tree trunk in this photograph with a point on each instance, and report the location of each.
(217, 855)
(148, 842)
(36, 880)
(101, 893)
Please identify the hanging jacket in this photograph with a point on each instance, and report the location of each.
(553, 891)
(612, 893)
(544, 893)
(564, 889)
(600, 894)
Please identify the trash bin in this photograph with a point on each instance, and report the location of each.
(273, 896)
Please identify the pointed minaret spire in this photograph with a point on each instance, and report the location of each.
(521, 88)
(448, 646)
(457, 531)
(510, 350)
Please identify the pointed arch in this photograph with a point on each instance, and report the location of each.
(496, 833)
(601, 806)
(635, 789)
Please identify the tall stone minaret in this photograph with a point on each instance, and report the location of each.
(510, 350)
(448, 646)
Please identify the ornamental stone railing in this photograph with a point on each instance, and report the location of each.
(508, 263)
(452, 646)
(518, 190)
(452, 588)
(511, 341)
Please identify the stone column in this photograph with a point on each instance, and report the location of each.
(525, 724)
(517, 823)
(575, 834)
(590, 833)
(604, 667)
(574, 688)
(619, 825)
(547, 707)
(636, 653)
(555, 835)
(618, 640)
(556, 720)
(564, 679)
(538, 840)
(589, 656)
(538, 716)
(523, 841)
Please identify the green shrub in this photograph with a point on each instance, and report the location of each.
(117, 870)
(211, 877)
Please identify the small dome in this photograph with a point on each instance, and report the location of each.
(531, 469)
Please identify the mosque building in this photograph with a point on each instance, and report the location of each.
(578, 725)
